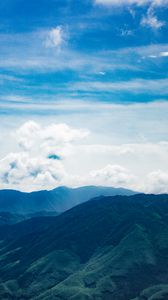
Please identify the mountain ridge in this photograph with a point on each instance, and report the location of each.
(106, 248)
(58, 199)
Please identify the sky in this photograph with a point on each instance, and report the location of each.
(84, 94)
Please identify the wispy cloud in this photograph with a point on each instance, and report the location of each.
(31, 55)
(132, 2)
(151, 20)
(159, 86)
(26, 53)
(10, 78)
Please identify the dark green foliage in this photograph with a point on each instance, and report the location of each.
(109, 248)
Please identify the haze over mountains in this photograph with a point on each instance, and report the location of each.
(106, 248)
(57, 200)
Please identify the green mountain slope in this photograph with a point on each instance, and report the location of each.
(107, 248)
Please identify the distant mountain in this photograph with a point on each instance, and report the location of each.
(109, 248)
(57, 200)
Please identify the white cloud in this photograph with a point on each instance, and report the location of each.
(120, 2)
(55, 37)
(31, 134)
(112, 175)
(126, 32)
(118, 176)
(134, 86)
(39, 164)
(102, 73)
(159, 54)
(128, 164)
(25, 54)
(132, 2)
(27, 134)
(58, 154)
(164, 54)
(5, 77)
(150, 20)
(152, 56)
(157, 182)
(22, 171)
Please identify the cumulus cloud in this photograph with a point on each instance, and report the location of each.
(118, 176)
(157, 182)
(56, 154)
(39, 164)
(20, 170)
(55, 37)
(50, 138)
(112, 175)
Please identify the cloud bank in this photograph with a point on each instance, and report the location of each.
(58, 154)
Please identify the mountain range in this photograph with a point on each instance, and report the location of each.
(108, 248)
(57, 200)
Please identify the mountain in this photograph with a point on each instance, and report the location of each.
(106, 248)
(9, 218)
(57, 200)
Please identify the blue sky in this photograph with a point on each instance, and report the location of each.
(68, 48)
(95, 65)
